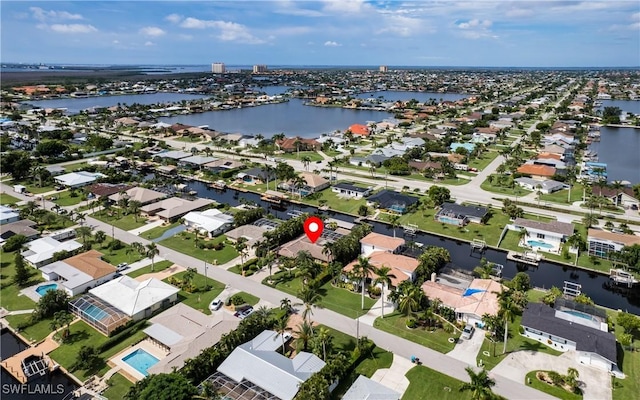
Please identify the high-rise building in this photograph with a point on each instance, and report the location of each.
(384, 68)
(259, 69)
(217, 68)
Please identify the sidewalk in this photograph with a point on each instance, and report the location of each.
(144, 228)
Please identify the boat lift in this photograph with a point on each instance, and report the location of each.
(479, 245)
(410, 229)
(571, 289)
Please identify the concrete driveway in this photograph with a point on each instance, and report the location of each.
(596, 383)
(467, 350)
(394, 377)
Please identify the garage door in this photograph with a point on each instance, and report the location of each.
(594, 361)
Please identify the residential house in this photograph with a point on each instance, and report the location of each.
(467, 146)
(501, 124)
(252, 233)
(392, 201)
(195, 162)
(22, 227)
(375, 160)
(173, 208)
(76, 274)
(140, 194)
(100, 190)
(8, 215)
(313, 183)
(290, 145)
(545, 236)
(470, 303)
(571, 326)
(55, 170)
(270, 371)
(184, 332)
(425, 165)
(623, 197)
(603, 243)
(545, 187)
(359, 130)
(212, 222)
(78, 179)
(367, 389)
(351, 191)
(256, 175)
(402, 267)
(538, 172)
(174, 155)
(223, 164)
(40, 251)
(458, 214)
(374, 242)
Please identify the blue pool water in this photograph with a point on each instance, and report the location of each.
(449, 220)
(141, 361)
(95, 313)
(41, 290)
(578, 314)
(537, 243)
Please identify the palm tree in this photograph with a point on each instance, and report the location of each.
(508, 309)
(394, 221)
(364, 269)
(268, 170)
(83, 232)
(383, 279)
(38, 171)
(99, 237)
(281, 327)
(323, 337)
(577, 242)
(409, 301)
(590, 220)
(240, 246)
(285, 304)
(152, 252)
(306, 160)
(134, 208)
(80, 218)
(572, 377)
(64, 319)
(480, 385)
(304, 333)
(310, 297)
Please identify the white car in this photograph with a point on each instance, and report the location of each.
(215, 304)
(467, 332)
(122, 266)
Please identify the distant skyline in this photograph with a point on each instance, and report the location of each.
(346, 32)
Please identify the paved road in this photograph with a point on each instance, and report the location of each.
(401, 347)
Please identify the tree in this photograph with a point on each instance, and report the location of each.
(171, 386)
(16, 163)
(507, 312)
(551, 296)
(14, 243)
(631, 255)
(87, 359)
(410, 299)
(310, 297)
(99, 237)
(439, 194)
(394, 222)
(480, 385)
(281, 327)
(134, 208)
(65, 319)
(21, 278)
(364, 270)
(384, 280)
(521, 282)
(485, 269)
(304, 333)
(577, 242)
(241, 246)
(52, 148)
(431, 260)
(50, 303)
(590, 220)
(322, 341)
(152, 252)
(83, 232)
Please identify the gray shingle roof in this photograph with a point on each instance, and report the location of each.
(542, 317)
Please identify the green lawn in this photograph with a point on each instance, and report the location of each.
(35, 189)
(158, 231)
(7, 200)
(84, 335)
(199, 300)
(248, 298)
(118, 387)
(395, 323)
(314, 156)
(124, 222)
(552, 390)
(115, 257)
(494, 188)
(484, 160)
(79, 166)
(629, 363)
(184, 243)
(64, 199)
(10, 297)
(425, 383)
(159, 266)
(561, 195)
(332, 153)
(346, 205)
(35, 332)
(336, 299)
(515, 342)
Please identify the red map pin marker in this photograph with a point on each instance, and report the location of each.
(313, 227)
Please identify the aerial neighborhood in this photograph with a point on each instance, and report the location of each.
(479, 232)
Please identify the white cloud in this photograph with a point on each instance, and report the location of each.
(70, 28)
(346, 6)
(149, 43)
(228, 31)
(173, 18)
(43, 15)
(116, 42)
(331, 43)
(475, 23)
(288, 7)
(404, 26)
(153, 31)
(476, 29)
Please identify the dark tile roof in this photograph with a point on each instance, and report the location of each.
(388, 198)
(348, 186)
(542, 317)
(459, 209)
(107, 189)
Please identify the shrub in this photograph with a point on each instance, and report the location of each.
(14, 243)
(237, 300)
(218, 246)
(411, 323)
(374, 291)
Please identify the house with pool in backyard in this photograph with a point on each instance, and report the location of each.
(542, 236)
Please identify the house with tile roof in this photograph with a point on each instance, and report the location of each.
(543, 236)
(137, 193)
(378, 242)
(290, 145)
(539, 172)
(603, 243)
(359, 130)
(174, 207)
(402, 267)
(78, 273)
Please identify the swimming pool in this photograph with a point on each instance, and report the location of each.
(578, 314)
(449, 220)
(141, 361)
(538, 243)
(41, 290)
(94, 312)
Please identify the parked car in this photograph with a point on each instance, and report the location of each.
(244, 312)
(215, 304)
(467, 332)
(122, 266)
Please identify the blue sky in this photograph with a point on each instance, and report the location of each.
(344, 32)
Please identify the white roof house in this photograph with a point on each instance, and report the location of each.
(77, 179)
(134, 298)
(366, 389)
(40, 251)
(271, 371)
(212, 222)
(8, 214)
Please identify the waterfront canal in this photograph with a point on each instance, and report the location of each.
(619, 149)
(546, 275)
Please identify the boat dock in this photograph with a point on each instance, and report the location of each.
(478, 245)
(621, 277)
(22, 370)
(528, 257)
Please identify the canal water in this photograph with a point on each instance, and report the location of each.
(75, 105)
(546, 275)
(404, 95)
(619, 148)
(631, 106)
(54, 386)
